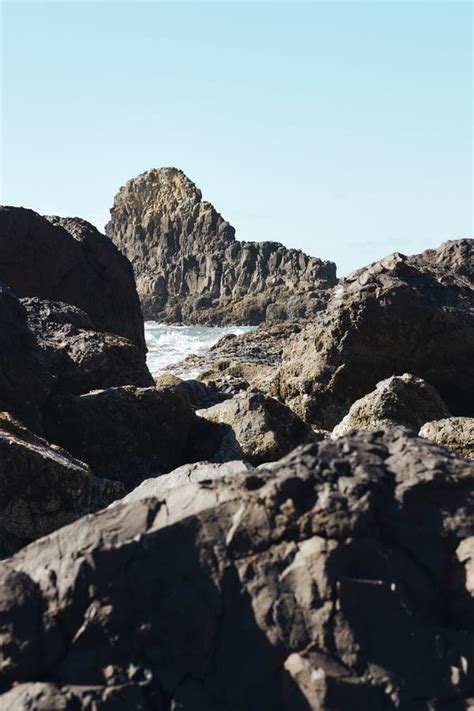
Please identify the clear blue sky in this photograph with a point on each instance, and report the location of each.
(344, 129)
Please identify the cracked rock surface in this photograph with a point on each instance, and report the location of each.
(339, 577)
(190, 268)
(394, 316)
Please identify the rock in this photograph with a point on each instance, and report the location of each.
(452, 263)
(24, 382)
(332, 579)
(78, 358)
(36, 696)
(123, 432)
(391, 317)
(198, 393)
(49, 348)
(399, 400)
(187, 474)
(240, 362)
(456, 433)
(190, 268)
(68, 260)
(42, 487)
(257, 428)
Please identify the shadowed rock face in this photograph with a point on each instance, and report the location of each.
(68, 260)
(256, 428)
(332, 579)
(125, 432)
(395, 316)
(190, 268)
(42, 487)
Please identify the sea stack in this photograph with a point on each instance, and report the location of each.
(190, 268)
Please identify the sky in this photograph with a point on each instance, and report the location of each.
(340, 128)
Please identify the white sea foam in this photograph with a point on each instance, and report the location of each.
(168, 345)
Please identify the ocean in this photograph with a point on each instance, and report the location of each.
(168, 345)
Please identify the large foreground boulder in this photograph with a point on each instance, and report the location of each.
(189, 266)
(42, 487)
(399, 400)
(454, 432)
(256, 428)
(333, 579)
(67, 259)
(392, 317)
(123, 432)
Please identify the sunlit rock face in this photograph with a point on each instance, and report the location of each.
(190, 268)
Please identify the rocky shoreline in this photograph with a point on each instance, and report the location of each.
(292, 530)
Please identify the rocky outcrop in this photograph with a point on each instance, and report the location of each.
(77, 357)
(332, 579)
(42, 487)
(240, 362)
(394, 316)
(24, 382)
(68, 260)
(49, 348)
(456, 433)
(190, 268)
(399, 400)
(256, 428)
(123, 433)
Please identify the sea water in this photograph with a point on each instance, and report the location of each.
(168, 345)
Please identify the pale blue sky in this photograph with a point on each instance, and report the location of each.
(344, 129)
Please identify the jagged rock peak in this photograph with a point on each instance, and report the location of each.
(168, 187)
(189, 266)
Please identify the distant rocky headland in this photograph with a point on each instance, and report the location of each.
(293, 530)
(190, 268)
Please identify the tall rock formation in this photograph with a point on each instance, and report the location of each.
(190, 268)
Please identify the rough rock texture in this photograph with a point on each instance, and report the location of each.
(42, 487)
(37, 696)
(24, 383)
(67, 259)
(125, 432)
(78, 358)
(454, 432)
(190, 268)
(391, 317)
(452, 262)
(239, 362)
(399, 400)
(334, 579)
(49, 347)
(187, 474)
(257, 428)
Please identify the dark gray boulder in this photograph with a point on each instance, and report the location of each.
(42, 487)
(24, 382)
(124, 432)
(68, 260)
(79, 358)
(332, 579)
